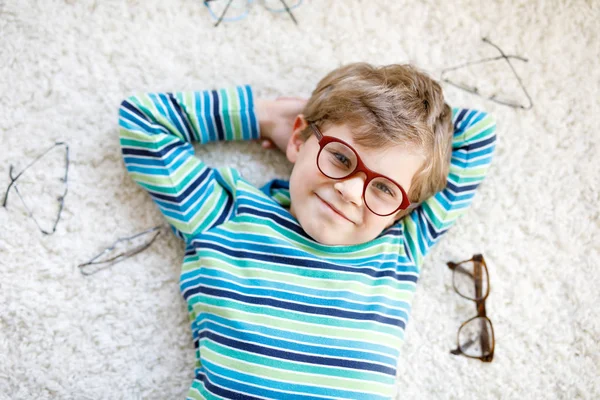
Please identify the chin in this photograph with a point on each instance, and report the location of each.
(319, 236)
(332, 239)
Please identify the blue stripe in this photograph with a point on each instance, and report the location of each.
(330, 294)
(478, 145)
(296, 357)
(253, 122)
(299, 391)
(269, 388)
(183, 115)
(314, 263)
(459, 189)
(219, 391)
(285, 305)
(216, 113)
(183, 196)
(329, 303)
(243, 117)
(224, 212)
(212, 134)
(203, 134)
(465, 123)
(158, 154)
(458, 120)
(335, 347)
(279, 244)
(126, 104)
(483, 161)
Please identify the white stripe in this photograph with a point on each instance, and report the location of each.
(387, 355)
(261, 344)
(360, 338)
(197, 242)
(325, 298)
(360, 332)
(295, 247)
(249, 384)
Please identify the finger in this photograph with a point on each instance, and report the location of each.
(267, 144)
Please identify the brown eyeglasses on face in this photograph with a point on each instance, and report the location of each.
(338, 160)
(475, 337)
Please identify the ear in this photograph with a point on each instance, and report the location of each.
(295, 141)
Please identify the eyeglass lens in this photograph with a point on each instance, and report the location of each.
(337, 161)
(471, 280)
(474, 338)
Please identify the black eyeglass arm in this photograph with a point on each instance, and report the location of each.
(289, 11)
(223, 13)
(104, 264)
(456, 351)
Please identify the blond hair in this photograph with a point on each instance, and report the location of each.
(393, 104)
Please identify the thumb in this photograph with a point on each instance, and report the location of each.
(267, 144)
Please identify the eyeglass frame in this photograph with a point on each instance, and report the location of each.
(480, 303)
(221, 18)
(360, 167)
(61, 198)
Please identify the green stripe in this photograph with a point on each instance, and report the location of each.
(224, 100)
(234, 114)
(264, 367)
(197, 390)
(188, 99)
(149, 108)
(263, 227)
(308, 277)
(359, 329)
(174, 182)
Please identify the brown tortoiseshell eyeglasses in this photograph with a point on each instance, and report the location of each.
(475, 338)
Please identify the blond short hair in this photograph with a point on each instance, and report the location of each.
(392, 104)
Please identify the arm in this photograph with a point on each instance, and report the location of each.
(473, 146)
(156, 135)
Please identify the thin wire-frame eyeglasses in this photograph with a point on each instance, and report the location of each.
(360, 167)
(286, 8)
(475, 337)
(60, 198)
(125, 247)
(474, 90)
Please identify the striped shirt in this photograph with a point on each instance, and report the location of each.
(275, 314)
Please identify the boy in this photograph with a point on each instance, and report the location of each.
(302, 290)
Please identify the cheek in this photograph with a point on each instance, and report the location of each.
(305, 176)
(374, 223)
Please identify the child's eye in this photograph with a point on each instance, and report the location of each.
(385, 189)
(342, 158)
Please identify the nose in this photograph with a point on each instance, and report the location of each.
(351, 189)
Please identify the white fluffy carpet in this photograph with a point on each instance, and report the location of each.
(123, 333)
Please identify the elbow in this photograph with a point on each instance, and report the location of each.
(127, 113)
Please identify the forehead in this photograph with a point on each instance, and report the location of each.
(396, 161)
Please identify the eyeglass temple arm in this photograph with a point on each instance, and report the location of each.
(223, 13)
(456, 267)
(289, 11)
(458, 351)
(316, 130)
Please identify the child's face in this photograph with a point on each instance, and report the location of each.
(314, 196)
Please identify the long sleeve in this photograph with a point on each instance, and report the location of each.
(473, 146)
(156, 135)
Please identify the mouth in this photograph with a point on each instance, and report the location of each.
(335, 210)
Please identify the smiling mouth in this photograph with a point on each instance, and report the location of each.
(335, 210)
